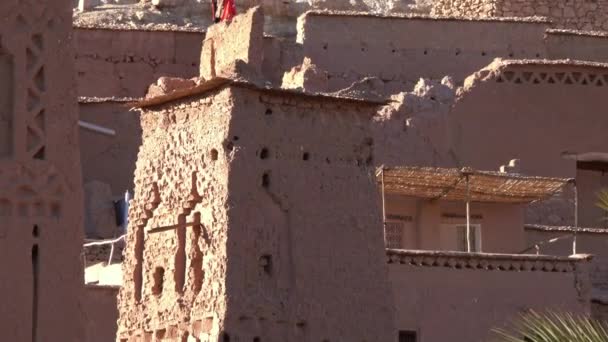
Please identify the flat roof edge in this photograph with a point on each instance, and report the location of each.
(532, 20)
(149, 28)
(220, 82)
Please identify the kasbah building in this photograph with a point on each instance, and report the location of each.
(319, 172)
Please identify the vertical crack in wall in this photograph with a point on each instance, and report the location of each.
(35, 271)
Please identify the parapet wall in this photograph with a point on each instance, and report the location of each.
(123, 63)
(493, 289)
(348, 46)
(574, 14)
(568, 44)
(591, 241)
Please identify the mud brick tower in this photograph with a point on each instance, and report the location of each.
(40, 178)
(255, 219)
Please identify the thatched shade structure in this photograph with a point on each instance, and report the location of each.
(483, 186)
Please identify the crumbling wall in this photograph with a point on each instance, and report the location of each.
(231, 237)
(40, 180)
(348, 46)
(238, 41)
(110, 159)
(491, 290)
(123, 63)
(171, 268)
(577, 14)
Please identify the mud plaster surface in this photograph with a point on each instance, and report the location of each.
(40, 180)
(271, 244)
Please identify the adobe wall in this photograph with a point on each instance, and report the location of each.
(577, 14)
(531, 110)
(270, 244)
(177, 170)
(101, 313)
(110, 159)
(348, 46)
(40, 179)
(589, 241)
(501, 224)
(461, 298)
(123, 63)
(563, 44)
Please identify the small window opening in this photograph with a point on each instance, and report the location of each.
(235, 138)
(266, 263)
(483, 53)
(225, 337)
(264, 153)
(214, 154)
(35, 231)
(256, 339)
(305, 156)
(159, 278)
(268, 111)
(266, 180)
(229, 146)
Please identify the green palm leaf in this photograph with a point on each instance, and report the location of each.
(602, 199)
(553, 327)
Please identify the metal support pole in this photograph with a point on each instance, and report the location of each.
(383, 206)
(96, 128)
(468, 216)
(575, 218)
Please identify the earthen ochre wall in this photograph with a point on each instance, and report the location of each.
(589, 241)
(241, 40)
(451, 298)
(110, 159)
(533, 112)
(179, 178)
(348, 47)
(101, 313)
(121, 63)
(40, 180)
(577, 14)
(563, 44)
(283, 206)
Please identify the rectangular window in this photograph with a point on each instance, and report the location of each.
(399, 232)
(454, 237)
(393, 231)
(408, 336)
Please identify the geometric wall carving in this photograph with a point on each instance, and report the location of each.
(565, 78)
(36, 128)
(6, 103)
(31, 191)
